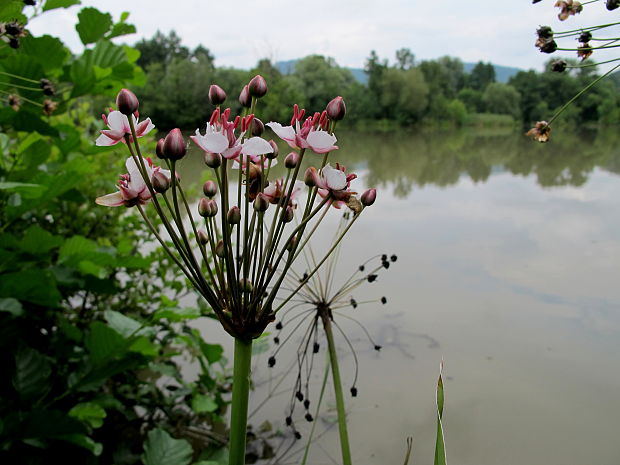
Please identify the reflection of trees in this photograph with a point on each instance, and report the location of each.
(405, 160)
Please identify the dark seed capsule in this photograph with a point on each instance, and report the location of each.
(383, 257)
(276, 340)
(372, 278)
(297, 435)
(299, 396)
(383, 300)
(354, 391)
(306, 404)
(385, 264)
(377, 348)
(315, 348)
(353, 303)
(309, 417)
(289, 421)
(393, 258)
(271, 362)
(279, 325)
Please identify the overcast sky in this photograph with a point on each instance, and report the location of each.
(239, 33)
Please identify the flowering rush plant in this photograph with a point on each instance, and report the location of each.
(250, 229)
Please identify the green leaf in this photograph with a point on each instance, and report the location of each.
(143, 345)
(46, 50)
(132, 53)
(213, 352)
(124, 16)
(440, 446)
(177, 314)
(49, 424)
(38, 241)
(121, 323)
(90, 413)
(33, 151)
(203, 404)
(84, 441)
(121, 29)
(76, 245)
(104, 343)
(106, 54)
(161, 449)
(93, 25)
(12, 10)
(28, 191)
(31, 373)
(53, 4)
(12, 306)
(36, 286)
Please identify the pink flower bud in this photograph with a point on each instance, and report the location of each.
(257, 127)
(287, 215)
(368, 197)
(161, 182)
(292, 160)
(207, 208)
(274, 146)
(203, 237)
(159, 149)
(174, 146)
(336, 109)
(245, 285)
(127, 102)
(311, 177)
(219, 249)
(213, 160)
(217, 96)
(257, 86)
(234, 215)
(261, 203)
(209, 188)
(244, 97)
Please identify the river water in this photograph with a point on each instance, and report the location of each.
(508, 256)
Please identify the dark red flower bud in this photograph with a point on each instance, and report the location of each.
(274, 146)
(234, 215)
(257, 86)
(174, 146)
(336, 109)
(291, 160)
(213, 160)
(209, 188)
(257, 127)
(261, 203)
(287, 215)
(369, 197)
(127, 102)
(219, 249)
(161, 182)
(159, 149)
(203, 237)
(311, 177)
(244, 97)
(217, 96)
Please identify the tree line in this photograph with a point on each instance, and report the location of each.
(403, 92)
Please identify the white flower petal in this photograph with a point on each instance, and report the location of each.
(110, 200)
(256, 146)
(214, 142)
(136, 183)
(104, 140)
(321, 141)
(335, 179)
(283, 132)
(118, 122)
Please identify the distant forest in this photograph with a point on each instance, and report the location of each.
(402, 92)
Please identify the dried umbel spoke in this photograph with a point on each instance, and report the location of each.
(238, 246)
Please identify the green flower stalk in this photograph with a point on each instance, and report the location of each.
(242, 244)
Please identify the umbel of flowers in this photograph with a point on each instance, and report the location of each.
(590, 39)
(238, 246)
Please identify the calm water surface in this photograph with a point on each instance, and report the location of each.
(508, 255)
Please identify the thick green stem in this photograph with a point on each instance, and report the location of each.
(333, 361)
(239, 407)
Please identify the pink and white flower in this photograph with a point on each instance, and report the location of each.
(118, 125)
(219, 137)
(132, 190)
(310, 134)
(334, 183)
(275, 191)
